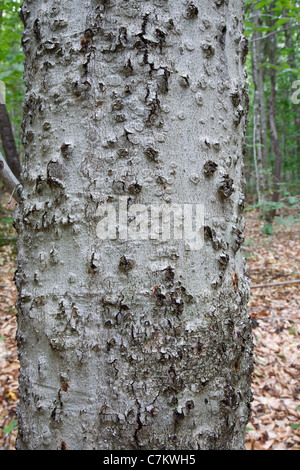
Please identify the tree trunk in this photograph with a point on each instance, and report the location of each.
(259, 110)
(272, 116)
(132, 342)
(8, 142)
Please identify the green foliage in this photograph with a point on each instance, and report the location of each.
(11, 427)
(295, 426)
(287, 219)
(11, 62)
(280, 20)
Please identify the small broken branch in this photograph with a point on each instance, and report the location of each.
(275, 284)
(9, 180)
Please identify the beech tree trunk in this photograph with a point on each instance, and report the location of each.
(260, 131)
(132, 343)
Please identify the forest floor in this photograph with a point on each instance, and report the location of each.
(275, 422)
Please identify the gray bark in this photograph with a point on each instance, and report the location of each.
(261, 149)
(132, 344)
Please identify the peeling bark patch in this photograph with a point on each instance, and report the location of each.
(209, 168)
(178, 419)
(235, 98)
(208, 50)
(198, 348)
(226, 189)
(63, 446)
(134, 188)
(184, 81)
(37, 29)
(119, 118)
(154, 110)
(190, 405)
(92, 267)
(152, 154)
(170, 274)
(161, 38)
(230, 397)
(66, 149)
(171, 300)
(239, 113)
(65, 387)
(222, 37)
(235, 281)
(126, 265)
(54, 174)
(192, 11)
(140, 425)
(117, 105)
(244, 49)
(238, 239)
(85, 43)
(122, 153)
(223, 260)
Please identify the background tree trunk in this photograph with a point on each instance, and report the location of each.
(132, 344)
(272, 114)
(8, 142)
(259, 112)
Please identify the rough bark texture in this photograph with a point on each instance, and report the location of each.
(132, 344)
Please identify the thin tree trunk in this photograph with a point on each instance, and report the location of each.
(8, 142)
(273, 128)
(9, 180)
(272, 118)
(259, 111)
(124, 342)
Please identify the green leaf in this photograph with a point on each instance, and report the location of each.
(262, 4)
(2, 338)
(282, 356)
(282, 21)
(292, 331)
(295, 426)
(10, 427)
